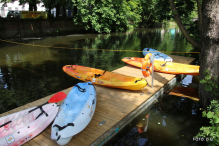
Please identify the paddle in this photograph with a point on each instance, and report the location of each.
(55, 98)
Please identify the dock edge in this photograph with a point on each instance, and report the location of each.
(120, 125)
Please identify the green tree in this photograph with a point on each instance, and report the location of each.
(108, 15)
(148, 12)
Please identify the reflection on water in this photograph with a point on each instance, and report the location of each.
(33, 70)
(142, 125)
(174, 121)
(187, 80)
(13, 55)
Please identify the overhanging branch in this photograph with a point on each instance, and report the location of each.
(182, 28)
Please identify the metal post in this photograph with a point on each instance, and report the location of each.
(152, 61)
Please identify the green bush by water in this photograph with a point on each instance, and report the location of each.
(210, 83)
(211, 132)
(212, 113)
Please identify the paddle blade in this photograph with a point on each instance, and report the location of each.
(57, 97)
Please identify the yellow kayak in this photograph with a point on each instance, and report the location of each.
(165, 67)
(105, 78)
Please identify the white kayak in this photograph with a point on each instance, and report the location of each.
(157, 55)
(75, 113)
(26, 127)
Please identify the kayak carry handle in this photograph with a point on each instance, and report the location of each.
(33, 109)
(40, 106)
(5, 123)
(42, 111)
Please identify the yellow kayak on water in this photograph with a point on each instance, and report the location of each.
(165, 67)
(105, 78)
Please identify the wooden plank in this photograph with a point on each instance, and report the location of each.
(123, 102)
(83, 137)
(33, 143)
(78, 142)
(46, 140)
(48, 137)
(26, 144)
(39, 141)
(93, 133)
(94, 129)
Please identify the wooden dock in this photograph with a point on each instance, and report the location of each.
(115, 106)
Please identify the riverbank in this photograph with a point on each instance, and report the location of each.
(12, 28)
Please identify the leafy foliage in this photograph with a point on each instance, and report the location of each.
(212, 112)
(149, 15)
(210, 83)
(193, 30)
(107, 15)
(185, 9)
(212, 131)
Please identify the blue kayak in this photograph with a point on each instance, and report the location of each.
(157, 55)
(75, 113)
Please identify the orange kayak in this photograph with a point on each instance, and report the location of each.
(105, 78)
(165, 67)
(185, 92)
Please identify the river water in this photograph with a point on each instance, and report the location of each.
(31, 68)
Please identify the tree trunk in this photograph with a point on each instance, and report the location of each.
(49, 11)
(199, 17)
(209, 57)
(57, 10)
(30, 6)
(75, 10)
(35, 7)
(64, 12)
(182, 28)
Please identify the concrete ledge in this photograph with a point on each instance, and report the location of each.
(33, 28)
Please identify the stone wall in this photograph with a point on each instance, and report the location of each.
(33, 28)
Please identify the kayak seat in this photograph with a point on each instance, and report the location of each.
(98, 75)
